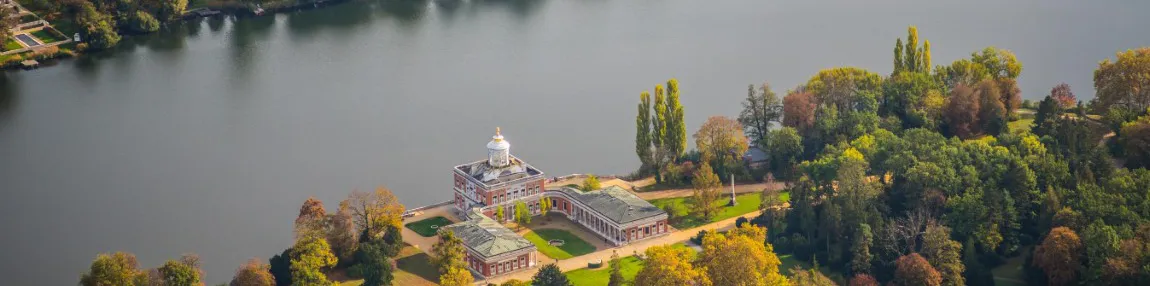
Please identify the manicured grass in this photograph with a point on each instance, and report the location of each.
(413, 267)
(572, 245)
(11, 44)
(1021, 125)
(684, 219)
(47, 36)
(423, 227)
(602, 275)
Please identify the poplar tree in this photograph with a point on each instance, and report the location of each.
(898, 65)
(925, 56)
(643, 132)
(911, 61)
(676, 129)
(659, 131)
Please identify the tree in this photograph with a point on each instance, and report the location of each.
(456, 276)
(898, 65)
(786, 150)
(912, 269)
(1134, 137)
(812, 277)
(659, 126)
(550, 275)
(522, 214)
(666, 265)
(373, 211)
(1124, 82)
(280, 267)
(515, 282)
(95, 26)
(925, 57)
(1101, 242)
(374, 264)
(544, 206)
(912, 58)
(448, 252)
(392, 241)
(253, 273)
(591, 183)
(992, 111)
(643, 132)
(499, 213)
(799, 111)
(740, 257)
(860, 251)
(706, 191)
(118, 268)
(677, 128)
(1059, 256)
(863, 280)
(962, 112)
(7, 22)
(141, 22)
(616, 278)
(1062, 94)
(312, 220)
(944, 254)
(171, 9)
(341, 232)
(311, 257)
(720, 138)
(180, 273)
(999, 63)
(761, 108)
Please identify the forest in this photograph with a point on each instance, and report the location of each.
(936, 174)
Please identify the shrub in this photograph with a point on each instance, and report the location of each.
(739, 222)
(698, 239)
(142, 22)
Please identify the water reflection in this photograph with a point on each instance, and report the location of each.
(246, 34)
(9, 96)
(193, 26)
(215, 23)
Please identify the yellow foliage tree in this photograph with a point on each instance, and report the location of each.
(373, 212)
(667, 265)
(456, 276)
(740, 257)
(706, 191)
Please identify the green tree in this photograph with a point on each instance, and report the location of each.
(1123, 82)
(142, 22)
(180, 273)
(118, 268)
(374, 264)
(392, 241)
(253, 273)
(448, 252)
(311, 257)
(1134, 137)
(96, 27)
(926, 67)
(677, 127)
(911, 53)
(1059, 256)
(1101, 242)
(643, 132)
(860, 251)
(499, 213)
(898, 65)
(706, 191)
(522, 214)
(999, 63)
(992, 112)
(616, 271)
(659, 126)
(544, 206)
(280, 267)
(944, 254)
(550, 275)
(591, 183)
(171, 9)
(761, 109)
(785, 149)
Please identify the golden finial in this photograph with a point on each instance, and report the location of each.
(497, 131)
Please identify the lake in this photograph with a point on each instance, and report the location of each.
(208, 136)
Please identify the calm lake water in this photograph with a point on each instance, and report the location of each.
(206, 138)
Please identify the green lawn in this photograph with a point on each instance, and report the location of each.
(572, 245)
(602, 275)
(424, 228)
(684, 219)
(1021, 125)
(11, 44)
(47, 36)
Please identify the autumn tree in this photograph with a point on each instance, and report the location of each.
(721, 142)
(992, 113)
(962, 112)
(550, 275)
(761, 109)
(1062, 94)
(1123, 82)
(591, 183)
(944, 254)
(666, 265)
(448, 252)
(1134, 138)
(912, 269)
(456, 277)
(7, 21)
(1059, 256)
(544, 206)
(706, 190)
(312, 220)
(118, 268)
(522, 214)
(183, 272)
(863, 280)
(341, 232)
(809, 277)
(911, 56)
(739, 257)
(373, 211)
(253, 273)
(799, 111)
(643, 132)
(499, 213)
(310, 258)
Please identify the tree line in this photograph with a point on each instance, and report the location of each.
(101, 22)
(916, 177)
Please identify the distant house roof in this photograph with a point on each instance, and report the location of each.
(755, 155)
(615, 203)
(485, 173)
(486, 236)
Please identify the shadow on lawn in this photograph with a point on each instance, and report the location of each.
(418, 264)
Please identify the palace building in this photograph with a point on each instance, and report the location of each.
(614, 214)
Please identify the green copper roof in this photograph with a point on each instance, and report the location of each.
(487, 236)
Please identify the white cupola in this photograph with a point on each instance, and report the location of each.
(498, 151)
